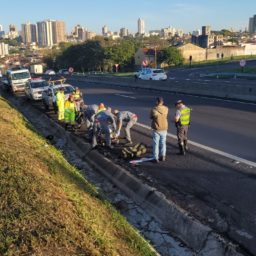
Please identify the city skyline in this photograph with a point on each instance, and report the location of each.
(186, 15)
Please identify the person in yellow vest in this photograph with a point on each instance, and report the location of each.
(77, 98)
(182, 122)
(60, 102)
(70, 111)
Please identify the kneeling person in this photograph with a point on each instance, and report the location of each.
(127, 118)
(104, 121)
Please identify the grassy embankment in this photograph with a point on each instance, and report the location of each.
(47, 207)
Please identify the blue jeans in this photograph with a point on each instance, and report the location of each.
(159, 142)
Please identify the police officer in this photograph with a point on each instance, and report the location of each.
(60, 101)
(105, 122)
(182, 122)
(127, 118)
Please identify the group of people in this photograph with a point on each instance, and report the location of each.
(159, 125)
(67, 108)
(104, 121)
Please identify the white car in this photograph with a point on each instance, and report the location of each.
(153, 74)
(34, 88)
(50, 72)
(49, 95)
(63, 72)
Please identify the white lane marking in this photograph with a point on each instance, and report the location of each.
(125, 96)
(213, 150)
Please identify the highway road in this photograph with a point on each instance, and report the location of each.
(224, 125)
(214, 189)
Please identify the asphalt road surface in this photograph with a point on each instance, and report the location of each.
(214, 189)
(217, 190)
(224, 125)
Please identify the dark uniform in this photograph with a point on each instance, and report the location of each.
(183, 127)
(105, 122)
(89, 113)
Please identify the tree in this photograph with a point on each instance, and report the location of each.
(172, 56)
(86, 56)
(121, 53)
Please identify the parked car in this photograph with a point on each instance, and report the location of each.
(63, 72)
(50, 72)
(49, 96)
(34, 88)
(153, 74)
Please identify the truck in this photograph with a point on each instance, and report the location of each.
(36, 69)
(17, 79)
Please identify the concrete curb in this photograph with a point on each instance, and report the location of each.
(194, 234)
(236, 93)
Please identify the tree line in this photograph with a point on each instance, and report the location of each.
(102, 54)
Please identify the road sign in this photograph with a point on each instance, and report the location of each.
(242, 63)
(70, 70)
(145, 63)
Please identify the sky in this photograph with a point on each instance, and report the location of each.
(188, 15)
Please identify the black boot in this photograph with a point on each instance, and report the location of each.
(182, 150)
(186, 145)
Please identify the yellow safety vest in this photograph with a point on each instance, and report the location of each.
(70, 106)
(185, 116)
(76, 95)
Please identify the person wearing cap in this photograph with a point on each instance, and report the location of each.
(70, 111)
(89, 113)
(60, 102)
(77, 98)
(182, 122)
(104, 122)
(127, 118)
(101, 107)
(159, 125)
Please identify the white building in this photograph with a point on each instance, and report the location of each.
(4, 49)
(168, 32)
(45, 35)
(141, 26)
(124, 32)
(29, 33)
(1, 27)
(196, 32)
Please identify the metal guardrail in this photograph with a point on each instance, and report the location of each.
(229, 75)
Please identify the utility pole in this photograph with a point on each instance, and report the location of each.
(155, 58)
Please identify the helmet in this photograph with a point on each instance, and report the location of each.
(101, 106)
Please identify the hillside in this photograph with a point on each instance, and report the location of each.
(47, 207)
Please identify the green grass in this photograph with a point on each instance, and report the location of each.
(219, 62)
(48, 207)
(124, 74)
